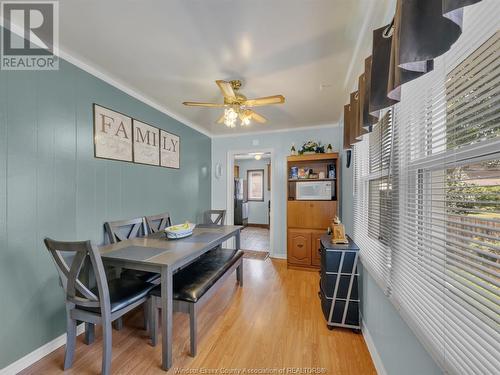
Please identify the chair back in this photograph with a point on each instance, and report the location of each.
(220, 216)
(122, 230)
(76, 292)
(157, 223)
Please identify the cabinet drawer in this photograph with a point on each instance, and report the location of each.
(330, 260)
(352, 316)
(328, 286)
(299, 247)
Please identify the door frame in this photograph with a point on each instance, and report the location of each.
(230, 190)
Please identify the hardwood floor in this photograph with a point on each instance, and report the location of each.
(255, 238)
(273, 322)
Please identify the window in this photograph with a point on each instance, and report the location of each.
(255, 181)
(372, 199)
(379, 186)
(428, 224)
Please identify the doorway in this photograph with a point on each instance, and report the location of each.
(252, 199)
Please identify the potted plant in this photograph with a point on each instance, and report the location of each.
(311, 147)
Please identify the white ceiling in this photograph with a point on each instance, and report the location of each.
(172, 51)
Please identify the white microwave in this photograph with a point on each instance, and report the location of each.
(314, 190)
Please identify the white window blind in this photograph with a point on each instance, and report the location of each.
(440, 263)
(372, 199)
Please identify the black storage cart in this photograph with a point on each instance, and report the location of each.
(339, 283)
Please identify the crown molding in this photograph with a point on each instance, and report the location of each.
(96, 72)
(120, 85)
(287, 130)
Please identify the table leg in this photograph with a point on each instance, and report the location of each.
(238, 241)
(166, 317)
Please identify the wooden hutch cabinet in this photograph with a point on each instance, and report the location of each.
(309, 216)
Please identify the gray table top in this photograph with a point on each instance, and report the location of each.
(157, 250)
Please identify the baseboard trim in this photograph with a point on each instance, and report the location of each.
(37, 354)
(278, 256)
(377, 360)
(266, 226)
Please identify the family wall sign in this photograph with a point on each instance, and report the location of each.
(120, 137)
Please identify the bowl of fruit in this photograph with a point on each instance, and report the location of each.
(180, 230)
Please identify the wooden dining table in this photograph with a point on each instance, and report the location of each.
(156, 253)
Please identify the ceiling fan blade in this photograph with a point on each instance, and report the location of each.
(221, 119)
(275, 99)
(259, 118)
(200, 104)
(226, 88)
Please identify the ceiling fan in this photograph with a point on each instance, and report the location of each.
(237, 105)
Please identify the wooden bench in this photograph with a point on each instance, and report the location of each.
(194, 285)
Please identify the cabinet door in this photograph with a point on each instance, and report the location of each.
(299, 247)
(316, 247)
(311, 214)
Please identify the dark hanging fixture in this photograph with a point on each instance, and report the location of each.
(421, 31)
(367, 120)
(404, 50)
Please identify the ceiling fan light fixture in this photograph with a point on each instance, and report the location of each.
(230, 117)
(238, 106)
(245, 121)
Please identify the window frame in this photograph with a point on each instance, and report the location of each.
(249, 172)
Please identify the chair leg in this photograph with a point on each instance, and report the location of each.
(89, 333)
(118, 323)
(146, 307)
(239, 274)
(153, 321)
(193, 328)
(70, 339)
(107, 345)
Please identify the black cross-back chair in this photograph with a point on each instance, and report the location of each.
(122, 230)
(158, 223)
(102, 304)
(219, 218)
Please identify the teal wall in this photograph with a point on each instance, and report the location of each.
(397, 346)
(51, 185)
